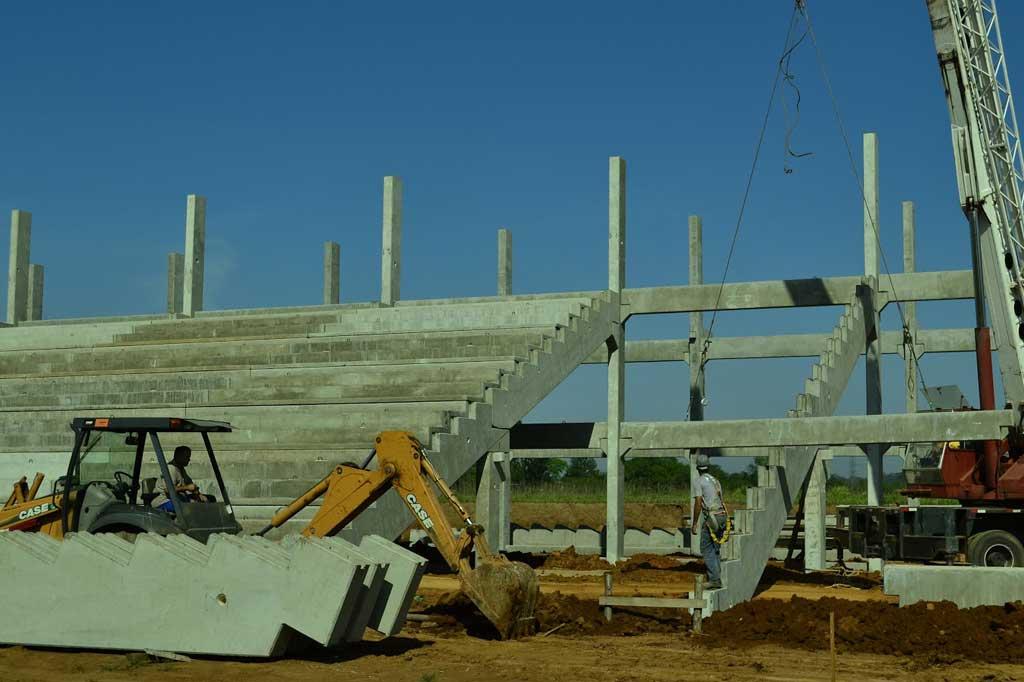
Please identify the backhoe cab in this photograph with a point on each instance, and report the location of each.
(94, 497)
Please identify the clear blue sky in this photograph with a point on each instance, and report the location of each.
(287, 119)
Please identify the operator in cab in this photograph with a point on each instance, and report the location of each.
(187, 490)
(709, 511)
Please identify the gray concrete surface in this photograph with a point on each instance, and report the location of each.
(234, 596)
(965, 586)
(17, 266)
(332, 273)
(193, 273)
(391, 244)
(34, 295)
(175, 282)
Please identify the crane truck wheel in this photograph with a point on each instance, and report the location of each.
(997, 548)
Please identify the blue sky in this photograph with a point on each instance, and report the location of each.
(287, 119)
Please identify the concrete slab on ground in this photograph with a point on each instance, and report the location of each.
(965, 586)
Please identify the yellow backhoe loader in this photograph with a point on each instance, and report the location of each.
(505, 591)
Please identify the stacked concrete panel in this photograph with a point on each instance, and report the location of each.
(234, 596)
(758, 525)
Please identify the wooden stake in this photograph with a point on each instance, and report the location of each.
(832, 641)
(698, 613)
(608, 593)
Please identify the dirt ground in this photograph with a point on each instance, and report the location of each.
(782, 634)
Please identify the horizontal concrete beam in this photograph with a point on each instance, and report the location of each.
(887, 428)
(674, 438)
(791, 293)
(784, 346)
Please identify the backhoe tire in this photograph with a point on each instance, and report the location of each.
(995, 548)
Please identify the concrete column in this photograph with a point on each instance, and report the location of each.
(910, 308)
(332, 273)
(195, 255)
(910, 313)
(175, 282)
(17, 266)
(391, 251)
(696, 405)
(504, 262)
(494, 500)
(814, 514)
(34, 300)
(873, 351)
(615, 500)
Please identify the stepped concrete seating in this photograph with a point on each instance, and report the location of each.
(305, 388)
(757, 526)
(234, 596)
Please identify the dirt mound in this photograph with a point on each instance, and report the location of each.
(571, 560)
(456, 614)
(935, 633)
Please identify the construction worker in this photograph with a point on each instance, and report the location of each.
(710, 512)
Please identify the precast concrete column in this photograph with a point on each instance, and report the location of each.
(910, 313)
(175, 282)
(696, 345)
(504, 262)
(332, 273)
(195, 255)
(873, 351)
(17, 266)
(391, 249)
(814, 513)
(615, 500)
(494, 500)
(910, 308)
(34, 300)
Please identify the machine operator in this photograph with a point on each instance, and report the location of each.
(187, 490)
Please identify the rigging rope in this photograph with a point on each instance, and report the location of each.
(782, 72)
(908, 335)
(787, 49)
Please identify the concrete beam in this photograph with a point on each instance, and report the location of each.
(796, 293)
(727, 434)
(887, 428)
(785, 346)
(615, 476)
(965, 586)
(494, 499)
(911, 352)
(34, 300)
(504, 262)
(17, 265)
(391, 248)
(175, 282)
(195, 255)
(332, 273)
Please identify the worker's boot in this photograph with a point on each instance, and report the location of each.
(714, 585)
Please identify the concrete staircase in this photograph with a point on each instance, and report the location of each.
(757, 526)
(456, 448)
(305, 388)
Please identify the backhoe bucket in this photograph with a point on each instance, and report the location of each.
(505, 592)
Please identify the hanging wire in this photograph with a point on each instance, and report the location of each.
(787, 50)
(789, 78)
(908, 336)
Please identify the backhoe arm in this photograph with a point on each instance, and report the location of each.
(505, 592)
